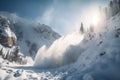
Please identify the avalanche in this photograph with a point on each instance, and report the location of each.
(98, 54)
(94, 55)
(61, 52)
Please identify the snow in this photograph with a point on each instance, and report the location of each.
(72, 57)
(59, 53)
(98, 58)
(17, 72)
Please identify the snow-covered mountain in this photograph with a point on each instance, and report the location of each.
(90, 55)
(30, 35)
(98, 58)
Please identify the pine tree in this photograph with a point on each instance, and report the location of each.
(119, 4)
(115, 7)
(81, 28)
(106, 11)
(111, 8)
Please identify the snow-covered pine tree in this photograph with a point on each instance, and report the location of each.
(111, 8)
(91, 32)
(119, 5)
(81, 28)
(115, 7)
(106, 12)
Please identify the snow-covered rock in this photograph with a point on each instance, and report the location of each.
(7, 37)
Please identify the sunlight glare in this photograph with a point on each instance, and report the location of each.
(95, 20)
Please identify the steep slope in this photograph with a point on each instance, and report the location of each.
(30, 35)
(98, 54)
(100, 58)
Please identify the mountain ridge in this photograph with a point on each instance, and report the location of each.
(30, 36)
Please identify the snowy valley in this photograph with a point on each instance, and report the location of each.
(42, 54)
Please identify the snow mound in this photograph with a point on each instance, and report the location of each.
(61, 52)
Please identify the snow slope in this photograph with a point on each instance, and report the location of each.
(99, 57)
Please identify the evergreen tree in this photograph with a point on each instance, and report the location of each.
(119, 4)
(111, 4)
(111, 8)
(106, 11)
(115, 6)
(81, 28)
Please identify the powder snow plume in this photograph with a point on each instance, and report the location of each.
(59, 53)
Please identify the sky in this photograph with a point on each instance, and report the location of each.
(63, 16)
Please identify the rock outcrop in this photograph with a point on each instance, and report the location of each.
(7, 37)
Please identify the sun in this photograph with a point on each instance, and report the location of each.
(95, 20)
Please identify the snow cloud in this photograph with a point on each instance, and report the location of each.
(47, 16)
(63, 51)
(66, 16)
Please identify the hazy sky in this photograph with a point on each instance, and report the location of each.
(64, 16)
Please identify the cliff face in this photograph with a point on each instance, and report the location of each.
(7, 37)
